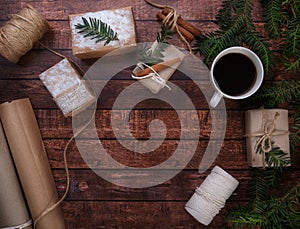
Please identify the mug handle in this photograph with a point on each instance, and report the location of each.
(214, 101)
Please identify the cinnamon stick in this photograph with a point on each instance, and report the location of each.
(188, 36)
(158, 67)
(183, 23)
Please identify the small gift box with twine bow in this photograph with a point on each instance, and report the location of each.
(155, 77)
(264, 128)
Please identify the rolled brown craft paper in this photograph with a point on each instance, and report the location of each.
(182, 30)
(183, 23)
(13, 208)
(31, 162)
(158, 67)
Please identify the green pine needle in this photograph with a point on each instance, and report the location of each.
(236, 29)
(149, 57)
(292, 47)
(278, 93)
(96, 29)
(273, 17)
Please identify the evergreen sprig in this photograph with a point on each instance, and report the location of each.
(267, 209)
(282, 20)
(292, 45)
(236, 29)
(97, 29)
(278, 93)
(274, 17)
(275, 158)
(155, 56)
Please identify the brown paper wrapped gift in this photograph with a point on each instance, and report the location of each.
(120, 20)
(68, 89)
(31, 162)
(13, 208)
(156, 83)
(258, 123)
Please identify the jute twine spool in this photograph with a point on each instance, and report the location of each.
(211, 196)
(20, 33)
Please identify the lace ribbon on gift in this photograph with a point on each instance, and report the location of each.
(268, 130)
(171, 21)
(154, 75)
(21, 226)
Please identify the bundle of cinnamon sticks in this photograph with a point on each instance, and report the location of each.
(186, 29)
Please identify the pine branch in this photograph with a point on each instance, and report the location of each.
(165, 34)
(242, 217)
(96, 29)
(259, 44)
(277, 158)
(156, 56)
(274, 211)
(236, 29)
(292, 45)
(295, 132)
(283, 92)
(273, 17)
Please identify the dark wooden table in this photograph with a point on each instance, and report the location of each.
(93, 202)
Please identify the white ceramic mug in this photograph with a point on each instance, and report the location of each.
(255, 86)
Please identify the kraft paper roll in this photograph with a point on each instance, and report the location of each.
(31, 162)
(13, 209)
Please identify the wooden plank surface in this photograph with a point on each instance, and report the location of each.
(93, 202)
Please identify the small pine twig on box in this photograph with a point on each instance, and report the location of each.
(96, 29)
(155, 56)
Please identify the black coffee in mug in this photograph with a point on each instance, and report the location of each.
(234, 73)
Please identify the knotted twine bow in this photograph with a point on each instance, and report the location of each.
(171, 21)
(154, 76)
(269, 130)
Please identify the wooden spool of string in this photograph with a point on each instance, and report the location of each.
(20, 33)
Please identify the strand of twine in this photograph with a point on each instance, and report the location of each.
(21, 226)
(268, 130)
(20, 33)
(154, 75)
(171, 21)
(51, 208)
(81, 72)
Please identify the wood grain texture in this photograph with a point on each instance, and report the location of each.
(60, 9)
(93, 202)
(42, 99)
(136, 214)
(231, 150)
(53, 125)
(179, 188)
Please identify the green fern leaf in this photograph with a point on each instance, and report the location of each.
(96, 29)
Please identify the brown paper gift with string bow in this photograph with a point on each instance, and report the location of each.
(120, 20)
(156, 81)
(28, 152)
(268, 124)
